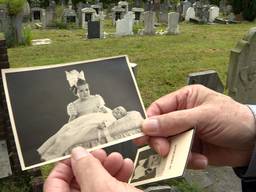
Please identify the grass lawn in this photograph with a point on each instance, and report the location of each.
(163, 61)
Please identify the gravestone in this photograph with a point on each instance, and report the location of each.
(124, 5)
(79, 7)
(97, 8)
(208, 78)
(125, 25)
(50, 13)
(88, 14)
(213, 13)
(138, 12)
(149, 21)
(190, 14)
(163, 17)
(241, 80)
(38, 15)
(117, 14)
(173, 23)
(185, 5)
(4, 18)
(94, 30)
(222, 6)
(70, 16)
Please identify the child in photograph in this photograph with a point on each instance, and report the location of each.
(88, 120)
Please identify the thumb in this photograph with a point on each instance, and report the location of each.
(89, 172)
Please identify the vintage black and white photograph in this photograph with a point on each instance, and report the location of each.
(148, 165)
(151, 167)
(93, 104)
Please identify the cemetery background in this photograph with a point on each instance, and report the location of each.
(163, 61)
(196, 48)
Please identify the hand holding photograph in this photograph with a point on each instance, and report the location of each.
(93, 104)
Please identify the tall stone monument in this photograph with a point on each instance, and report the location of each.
(241, 79)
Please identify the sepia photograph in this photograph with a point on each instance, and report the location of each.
(148, 165)
(93, 104)
(151, 167)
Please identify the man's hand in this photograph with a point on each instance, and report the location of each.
(225, 129)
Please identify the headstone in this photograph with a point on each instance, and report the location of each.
(50, 13)
(173, 23)
(5, 167)
(213, 13)
(208, 78)
(163, 17)
(124, 5)
(125, 25)
(117, 14)
(185, 5)
(138, 12)
(79, 7)
(241, 80)
(190, 14)
(94, 30)
(38, 15)
(70, 16)
(97, 8)
(88, 14)
(149, 21)
(4, 17)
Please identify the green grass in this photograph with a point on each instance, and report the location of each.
(163, 61)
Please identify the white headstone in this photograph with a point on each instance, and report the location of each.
(125, 25)
(190, 13)
(213, 13)
(173, 23)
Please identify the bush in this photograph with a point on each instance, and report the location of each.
(27, 35)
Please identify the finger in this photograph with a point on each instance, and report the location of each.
(100, 154)
(113, 163)
(174, 122)
(126, 171)
(160, 144)
(197, 161)
(184, 98)
(170, 102)
(89, 172)
(141, 140)
(59, 178)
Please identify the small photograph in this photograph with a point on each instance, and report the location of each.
(148, 165)
(52, 109)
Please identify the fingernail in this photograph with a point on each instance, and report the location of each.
(78, 153)
(202, 163)
(150, 126)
